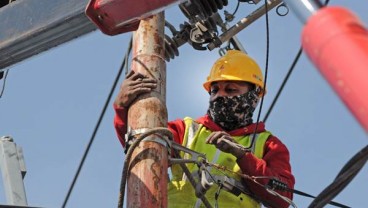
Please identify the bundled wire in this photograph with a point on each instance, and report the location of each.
(348, 172)
(158, 130)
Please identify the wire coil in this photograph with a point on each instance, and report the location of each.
(171, 48)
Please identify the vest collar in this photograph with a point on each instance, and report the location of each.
(208, 122)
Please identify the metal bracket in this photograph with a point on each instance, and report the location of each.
(205, 184)
(132, 132)
(196, 157)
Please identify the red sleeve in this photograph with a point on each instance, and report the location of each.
(177, 127)
(121, 122)
(275, 163)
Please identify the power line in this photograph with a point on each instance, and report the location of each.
(266, 69)
(291, 69)
(345, 176)
(97, 125)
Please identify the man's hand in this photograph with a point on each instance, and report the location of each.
(224, 142)
(134, 85)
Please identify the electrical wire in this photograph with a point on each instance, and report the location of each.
(230, 17)
(279, 185)
(266, 70)
(345, 176)
(291, 69)
(301, 193)
(5, 74)
(102, 114)
(129, 154)
(217, 194)
(236, 8)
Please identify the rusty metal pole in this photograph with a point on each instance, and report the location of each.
(147, 177)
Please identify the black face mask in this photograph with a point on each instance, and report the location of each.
(233, 112)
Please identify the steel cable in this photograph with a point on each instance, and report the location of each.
(291, 69)
(266, 71)
(129, 154)
(345, 176)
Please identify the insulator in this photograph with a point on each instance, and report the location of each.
(171, 49)
(211, 24)
(204, 8)
(277, 184)
(210, 7)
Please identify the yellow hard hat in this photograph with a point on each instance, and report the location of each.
(235, 66)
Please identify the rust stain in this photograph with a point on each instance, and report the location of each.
(148, 111)
(156, 170)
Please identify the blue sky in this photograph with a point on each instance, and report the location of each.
(52, 102)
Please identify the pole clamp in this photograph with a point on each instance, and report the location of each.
(131, 133)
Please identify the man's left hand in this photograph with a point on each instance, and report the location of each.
(224, 142)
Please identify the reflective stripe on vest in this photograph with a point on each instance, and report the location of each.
(181, 192)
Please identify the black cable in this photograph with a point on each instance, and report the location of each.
(236, 9)
(4, 76)
(95, 129)
(230, 17)
(266, 69)
(124, 175)
(291, 69)
(217, 194)
(346, 175)
(336, 204)
(296, 59)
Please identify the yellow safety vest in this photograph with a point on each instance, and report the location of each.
(181, 194)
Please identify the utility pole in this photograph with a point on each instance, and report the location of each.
(147, 177)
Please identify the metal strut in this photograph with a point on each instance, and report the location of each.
(195, 159)
(243, 23)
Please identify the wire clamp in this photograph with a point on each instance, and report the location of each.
(131, 134)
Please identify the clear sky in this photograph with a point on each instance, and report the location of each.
(52, 102)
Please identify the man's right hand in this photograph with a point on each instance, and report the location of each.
(134, 85)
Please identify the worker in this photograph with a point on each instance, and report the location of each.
(226, 134)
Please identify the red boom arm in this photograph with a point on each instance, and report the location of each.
(337, 43)
(113, 17)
